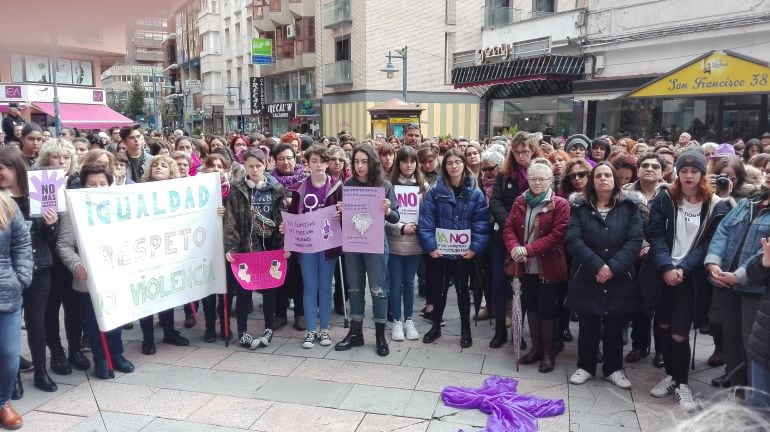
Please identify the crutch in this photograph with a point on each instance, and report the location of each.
(694, 344)
(344, 300)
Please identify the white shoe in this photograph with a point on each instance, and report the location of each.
(309, 341)
(411, 330)
(619, 379)
(580, 377)
(687, 402)
(398, 331)
(664, 388)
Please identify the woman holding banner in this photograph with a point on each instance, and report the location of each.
(405, 249)
(251, 225)
(92, 175)
(453, 207)
(15, 276)
(44, 230)
(368, 173)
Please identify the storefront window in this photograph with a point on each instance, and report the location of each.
(548, 114)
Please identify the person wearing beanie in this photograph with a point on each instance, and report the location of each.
(682, 216)
(577, 145)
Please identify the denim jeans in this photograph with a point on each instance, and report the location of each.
(10, 349)
(760, 381)
(113, 337)
(359, 267)
(402, 269)
(317, 274)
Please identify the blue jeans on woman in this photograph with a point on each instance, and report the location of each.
(317, 274)
(359, 267)
(402, 269)
(113, 337)
(10, 350)
(760, 383)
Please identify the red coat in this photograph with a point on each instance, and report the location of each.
(550, 231)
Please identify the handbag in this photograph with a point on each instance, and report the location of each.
(511, 268)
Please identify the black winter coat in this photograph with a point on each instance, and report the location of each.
(504, 194)
(43, 236)
(594, 242)
(759, 339)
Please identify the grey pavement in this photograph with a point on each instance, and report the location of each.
(212, 388)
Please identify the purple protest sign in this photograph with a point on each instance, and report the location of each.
(46, 191)
(259, 270)
(363, 219)
(312, 232)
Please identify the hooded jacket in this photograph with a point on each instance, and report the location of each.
(442, 209)
(593, 242)
(239, 220)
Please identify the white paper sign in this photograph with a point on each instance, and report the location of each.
(46, 191)
(453, 242)
(149, 247)
(408, 203)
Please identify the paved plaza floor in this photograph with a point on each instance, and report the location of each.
(207, 387)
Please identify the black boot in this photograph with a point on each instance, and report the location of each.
(59, 363)
(42, 380)
(435, 331)
(210, 335)
(501, 334)
(78, 360)
(382, 342)
(354, 338)
(536, 352)
(18, 389)
(465, 333)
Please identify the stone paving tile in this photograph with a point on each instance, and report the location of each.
(378, 423)
(168, 425)
(293, 347)
(286, 417)
(422, 405)
(203, 358)
(446, 343)
(304, 391)
(436, 380)
(78, 401)
(390, 401)
(266, 364)
(654, 417)
(132, 399)
(111, 421)
(378, 375)
(240, 384)
(321, 369)
(590, 427)
(34, 397)
(39, 421)
(444, 360)
(74, 379)
(165, 376)
(166, 354)
(598, 402)
(230, 411)
(443, 426)
(368, 354)
(473, 417)
(506, 366)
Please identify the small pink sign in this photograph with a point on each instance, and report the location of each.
(259, 270)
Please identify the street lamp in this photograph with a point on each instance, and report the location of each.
(390, 68)
(240, 104)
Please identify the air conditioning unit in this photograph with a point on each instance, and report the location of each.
(291, 31)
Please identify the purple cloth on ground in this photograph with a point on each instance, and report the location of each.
(508, 410)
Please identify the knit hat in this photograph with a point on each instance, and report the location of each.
(577, 139)
(692, 157)
(723, 150)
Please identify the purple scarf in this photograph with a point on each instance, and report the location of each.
(507, 409)
(288, 180)
(521, 178)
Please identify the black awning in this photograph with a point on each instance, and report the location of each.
(547, 74)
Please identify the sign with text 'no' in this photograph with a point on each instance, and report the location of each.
(408, 203)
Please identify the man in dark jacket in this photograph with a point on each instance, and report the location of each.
(12, 119)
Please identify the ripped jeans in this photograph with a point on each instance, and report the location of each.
(359, 267)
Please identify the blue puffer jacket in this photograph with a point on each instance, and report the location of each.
(16, 263)
(441, 209)
(736, 241)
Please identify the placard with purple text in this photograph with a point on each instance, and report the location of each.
(363, 219)
(46, 191)
(408, 203)
(312, 232)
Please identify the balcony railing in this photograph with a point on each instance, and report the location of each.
(337, 13)
(497, 16)
(338, 74)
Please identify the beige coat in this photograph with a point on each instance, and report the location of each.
(67, 248)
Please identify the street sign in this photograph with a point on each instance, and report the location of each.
(261, 51)
(257, 89)
(192, 86)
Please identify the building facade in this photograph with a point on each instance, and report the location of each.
(356, 37)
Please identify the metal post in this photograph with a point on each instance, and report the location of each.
(56, 112)
(240, 107)
(154, 100)
(403, 59)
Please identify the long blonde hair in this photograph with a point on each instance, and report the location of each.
(7, 211)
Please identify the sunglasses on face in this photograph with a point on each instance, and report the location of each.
(577, 175)
(653, 166)
(489, 168)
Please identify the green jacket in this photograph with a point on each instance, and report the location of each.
(238, 218)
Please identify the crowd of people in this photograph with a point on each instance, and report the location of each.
(658, 237)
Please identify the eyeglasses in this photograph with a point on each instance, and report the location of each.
(577, 175)
(539, 180)
(766, 172)
(489, 168)
(652, 166)
(522, 153)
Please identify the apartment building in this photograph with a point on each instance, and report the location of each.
(356, 37)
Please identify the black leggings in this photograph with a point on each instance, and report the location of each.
(674, 310)
(291, 288)
(439, 271)
(35, 300)
(538, 297)
(166, 319)
(62, 294)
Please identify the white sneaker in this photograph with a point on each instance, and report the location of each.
(324, 339)
(309, 341)
(619, 379)
(580, 377)
(411, 330)
(687, 402)
(664, 388)
(398, 331)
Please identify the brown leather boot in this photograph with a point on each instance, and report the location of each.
(548, 331)
(716, 358)
(536, 352)
(9, 418)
